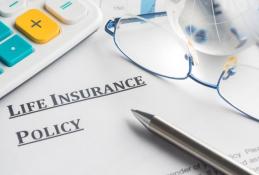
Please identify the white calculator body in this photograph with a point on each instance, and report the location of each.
(35, 33)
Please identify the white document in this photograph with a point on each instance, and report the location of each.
(74, 118)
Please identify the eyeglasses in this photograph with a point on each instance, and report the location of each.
(148, 44)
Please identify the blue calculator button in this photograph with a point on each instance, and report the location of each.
(1, 71)
(14, 50)
(4, 31)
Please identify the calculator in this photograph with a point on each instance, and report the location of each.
(35, 33)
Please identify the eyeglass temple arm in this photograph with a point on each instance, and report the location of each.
(111, 24)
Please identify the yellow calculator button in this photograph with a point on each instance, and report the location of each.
(37, 26)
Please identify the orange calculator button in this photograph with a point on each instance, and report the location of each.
(37, 26)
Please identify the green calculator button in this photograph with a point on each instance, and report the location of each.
(4, 31)
(14, 50)
(1, 71)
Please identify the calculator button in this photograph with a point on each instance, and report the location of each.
(67, 11)
(1, 71)
(14, 50)
(11, 7)
(37, 26)
(4, 31)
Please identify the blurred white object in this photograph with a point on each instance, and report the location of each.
(118, 8)
(137, 7)
(216, 27)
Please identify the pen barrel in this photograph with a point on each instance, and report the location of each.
(197, 149)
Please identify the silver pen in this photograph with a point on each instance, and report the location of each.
(191, 145)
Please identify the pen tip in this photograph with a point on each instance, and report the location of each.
(143, 117)
(133, 110)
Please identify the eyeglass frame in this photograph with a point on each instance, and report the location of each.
(229, 66)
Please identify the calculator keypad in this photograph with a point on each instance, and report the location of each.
(37, 26)
(4, 31)
(67, 11)
(14, 50)
(11, 7)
